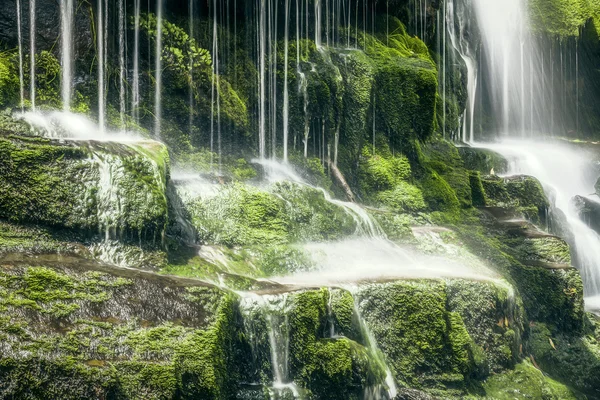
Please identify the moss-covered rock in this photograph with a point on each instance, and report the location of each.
(523, 195)
(572, 359)
(119, 190)
(112, 333)
(526, 382)
(483, 160)
(425, 345)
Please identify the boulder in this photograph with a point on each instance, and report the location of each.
(114, 190)
(588, 210)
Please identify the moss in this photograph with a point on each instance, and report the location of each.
(572, 359)
(443, 158)
(477, 191)
(553, 295)
(438, 194)
(9, 81)
(526, 382)
(336, 368)
(490, 313)
(562, 18)
(483, 160)
(425, 346)
(522, 194)
(57, 323)
(64, 186)
(403, 198)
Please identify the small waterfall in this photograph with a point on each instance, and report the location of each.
(458, 18)
(158, 66)
(32, 33)
(101, 66)
(565, 173)
(122, 70)
(66, 24)
(215, 108)
(135, 98)
(261, 29)
(390, 383)
(21, 79)
(191, 88)
(286, 96)
(273, 309)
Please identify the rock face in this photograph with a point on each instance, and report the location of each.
(588, 210)
(115, 190)
(73, 329)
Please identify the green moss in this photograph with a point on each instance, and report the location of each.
(522, 194)
(438, 194)
(425, 346)
(525, 382)
(572, 359)
(58, 323)
(562, 18)
(9, 81)
(494, 319)
(443, 158)
(63, 186)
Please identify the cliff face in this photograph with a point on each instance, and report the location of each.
(186, 268)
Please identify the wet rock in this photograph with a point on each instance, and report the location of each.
(483, 160)
(588, 210)
(77, 329)
(116, 189)
(413, 394)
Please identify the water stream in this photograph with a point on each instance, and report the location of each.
(565, 171)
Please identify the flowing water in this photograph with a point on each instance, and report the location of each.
(158, 72)
(565, 171)
(101, 70)
(135, 98)
(21, 79)
(32, 33)
(66, 25)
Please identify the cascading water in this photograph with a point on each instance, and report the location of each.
(457, 25)
(32, 33)
(122, 69)
(158, 66)
(135, 98)
(525, 78)
(21, 79)
(565, 172)
(66, 13)
(101, 67)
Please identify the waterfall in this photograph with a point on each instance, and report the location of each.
(274, 310)
(215, 95)
(457, 18)
(390, 383)
(101, 67)
(66, 23)
(135, 98)
(286, 96)
(32, 34)
(21, 80)
(158, 65)
(191, 88)
(261, 29)
(564, 173)
(122, 77)
(509, 47)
